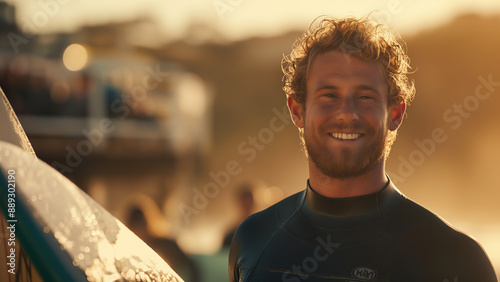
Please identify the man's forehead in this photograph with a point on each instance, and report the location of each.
(335, 65)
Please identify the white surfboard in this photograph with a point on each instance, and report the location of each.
(66, 234)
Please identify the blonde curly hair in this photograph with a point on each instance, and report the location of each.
(363, 38)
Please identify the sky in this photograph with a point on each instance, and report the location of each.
(239, 19)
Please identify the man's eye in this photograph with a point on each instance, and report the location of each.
(366, 97)
(331, 95)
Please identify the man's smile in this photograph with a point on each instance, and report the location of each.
(345, 136)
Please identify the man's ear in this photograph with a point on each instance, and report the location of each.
(397, 112)
(296, 110)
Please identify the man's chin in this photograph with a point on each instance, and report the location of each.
(343, 172)
(339, 167)
(347, 164)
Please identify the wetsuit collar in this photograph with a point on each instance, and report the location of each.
(324, 210)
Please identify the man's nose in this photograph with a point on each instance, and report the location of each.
(347, 111)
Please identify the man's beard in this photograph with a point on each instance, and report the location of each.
(345, 162)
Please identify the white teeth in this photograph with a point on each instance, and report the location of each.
(345, 136)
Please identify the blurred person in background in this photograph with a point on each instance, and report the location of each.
(213, 266)
(347, 88)
(166, 248)
(244, 199)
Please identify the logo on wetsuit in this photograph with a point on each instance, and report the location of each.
(364, 273)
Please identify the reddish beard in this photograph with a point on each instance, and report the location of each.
(346, 162)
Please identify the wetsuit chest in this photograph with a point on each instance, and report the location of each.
(315, 243)
(377, 237)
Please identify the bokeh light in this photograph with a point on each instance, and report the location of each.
(192, 97)
(75, 57)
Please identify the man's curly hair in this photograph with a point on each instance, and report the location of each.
(363, 38)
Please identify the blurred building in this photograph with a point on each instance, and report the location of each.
(111, 117)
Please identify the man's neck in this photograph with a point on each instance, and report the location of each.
(370, 182)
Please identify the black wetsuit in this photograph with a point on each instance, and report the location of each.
(377, 237)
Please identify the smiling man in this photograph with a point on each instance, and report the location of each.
(347, 91)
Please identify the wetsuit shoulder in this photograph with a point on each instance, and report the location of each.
(425, 241)
(255, 231)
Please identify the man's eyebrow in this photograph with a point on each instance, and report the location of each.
(358, 87)
(327, 87)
